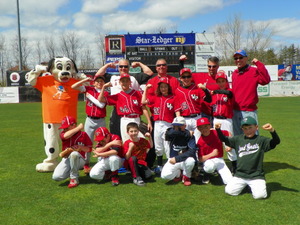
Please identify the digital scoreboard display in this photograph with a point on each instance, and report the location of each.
(148, 48)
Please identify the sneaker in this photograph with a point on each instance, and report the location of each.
(186, 181)
(86, 169)
(157, 170)
(73, 183)
(138, 181)
(115, 180)
(205, 179)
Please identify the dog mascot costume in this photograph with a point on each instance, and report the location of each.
(58, 100)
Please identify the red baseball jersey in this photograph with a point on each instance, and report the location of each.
(222, 105)
(207, 144)
(172, 81)
(126, 103)
(206, 79)
(90, 108)
(162, 107)
(139, 150)
(119, 149)
(188, 100)
(80, 138)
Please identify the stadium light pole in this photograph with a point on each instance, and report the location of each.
(19, 36)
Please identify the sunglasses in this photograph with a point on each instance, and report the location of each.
(159, 65)
(184, 77)
(210, 66)
(123, 66)
(236, 58)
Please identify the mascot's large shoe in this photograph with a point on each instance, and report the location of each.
(58, 100)
(46, 167)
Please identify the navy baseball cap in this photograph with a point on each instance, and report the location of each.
(248, 121)
(240, 52)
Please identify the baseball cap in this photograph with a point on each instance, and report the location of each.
(240, 52)
(123, 75)
(101, 133)
(221, 74)
(202, 121)
(67, 121)
(248, 121)
(163, 80)
(178, 121)
(96, 77)
(185, 70)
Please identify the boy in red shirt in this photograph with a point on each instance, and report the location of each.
(136, 149)
(109, 153)
(222, 107)
(79, 141)
(211, 151)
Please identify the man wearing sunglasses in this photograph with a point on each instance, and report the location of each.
(162, 69)
(245, 80)
(136, 80)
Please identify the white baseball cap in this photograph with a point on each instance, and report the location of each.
(178, 121)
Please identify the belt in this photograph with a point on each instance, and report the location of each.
(94, 117)
(220, 117)
(131, 116)
(192, 116)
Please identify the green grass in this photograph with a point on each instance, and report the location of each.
(28, 197)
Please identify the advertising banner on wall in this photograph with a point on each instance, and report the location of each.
(16, 78)
(289, 72)
(9, 95)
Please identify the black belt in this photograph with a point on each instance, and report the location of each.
(94, 117)
(192, 116)
(221, 117)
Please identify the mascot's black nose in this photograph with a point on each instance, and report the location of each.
(65, 74)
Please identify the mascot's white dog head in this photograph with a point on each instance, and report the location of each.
(62, 68)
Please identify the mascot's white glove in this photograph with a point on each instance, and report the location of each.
(80, 76)
(35, 73)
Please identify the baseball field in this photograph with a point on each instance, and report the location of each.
(28, 197)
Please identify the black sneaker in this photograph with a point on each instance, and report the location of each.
(205, 179)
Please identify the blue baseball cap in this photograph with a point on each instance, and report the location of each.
(240, 52)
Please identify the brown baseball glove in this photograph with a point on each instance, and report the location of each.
(143, 127)
(65, 153)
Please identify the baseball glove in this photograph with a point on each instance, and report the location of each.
(143, 127)
(65, 153)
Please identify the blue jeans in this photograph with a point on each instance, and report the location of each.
(237, 118)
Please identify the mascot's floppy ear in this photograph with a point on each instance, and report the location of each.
(75, 67)
(50, 65)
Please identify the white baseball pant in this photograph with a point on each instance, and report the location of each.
(161, 145)
(170, 171)
(111, 163)
(237, 184)
(69, 167)
(90, 127)
(218, 164)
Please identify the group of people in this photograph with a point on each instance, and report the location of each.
(190, 120)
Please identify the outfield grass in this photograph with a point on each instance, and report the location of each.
(28, 197)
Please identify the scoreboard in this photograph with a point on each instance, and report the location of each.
(148, 48)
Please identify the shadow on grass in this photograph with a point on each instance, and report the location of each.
(273, 166)
(275, 186)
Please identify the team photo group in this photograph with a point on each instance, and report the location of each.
(177, 129)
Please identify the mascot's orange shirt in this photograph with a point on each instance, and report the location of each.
(58, 99)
